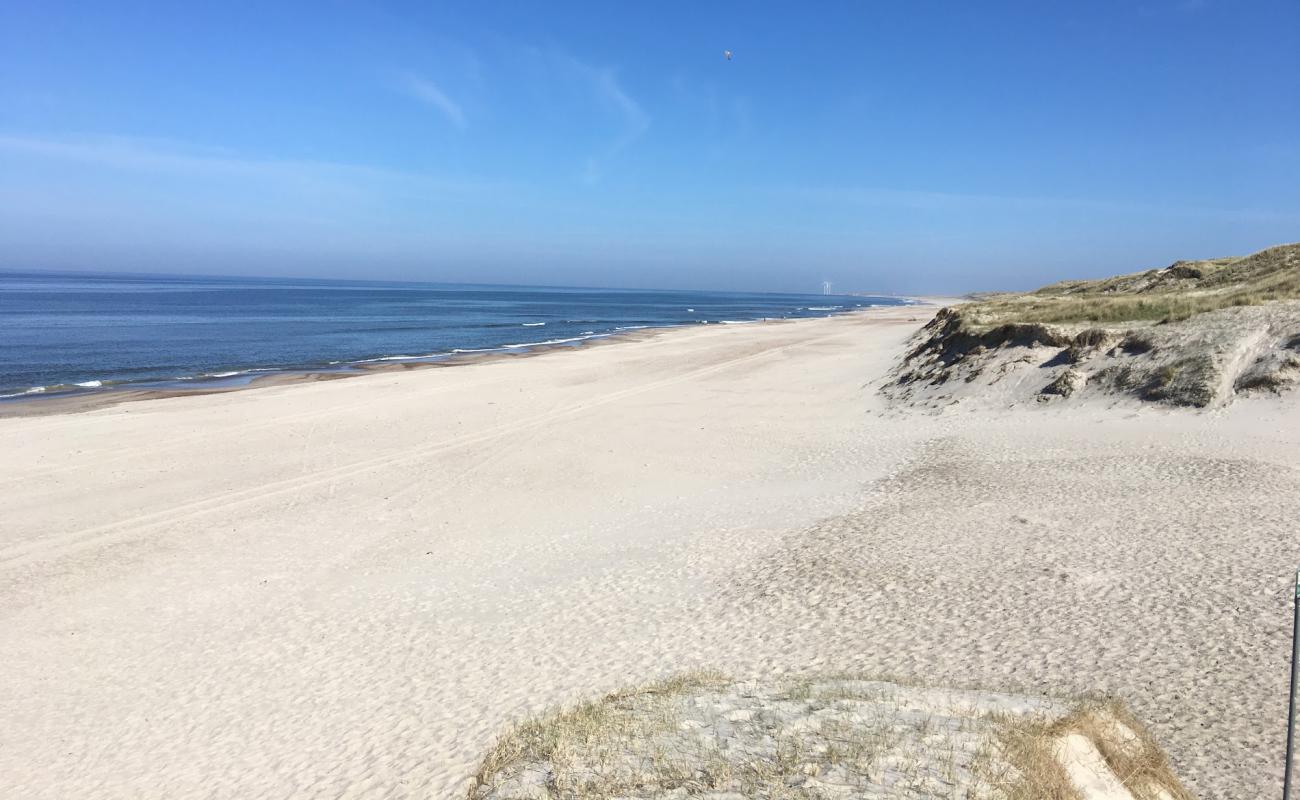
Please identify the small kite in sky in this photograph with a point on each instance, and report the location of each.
(727, 53)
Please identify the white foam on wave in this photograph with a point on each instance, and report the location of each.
(392, 358)
(630, 327)
(91, 384)
(533, 324)
(548, 341)
(823, 308)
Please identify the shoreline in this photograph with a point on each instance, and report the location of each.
(38, 404)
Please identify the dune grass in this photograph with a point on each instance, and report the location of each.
(1167, 295)
(1123, 742)
(701, 733)
(585, 743)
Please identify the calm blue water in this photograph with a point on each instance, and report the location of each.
(61, 330)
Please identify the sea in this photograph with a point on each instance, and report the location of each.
(72, 333)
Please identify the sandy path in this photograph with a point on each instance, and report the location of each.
(346, 588)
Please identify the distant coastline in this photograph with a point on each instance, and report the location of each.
(76, 398)
(74, 336)
(69, 401)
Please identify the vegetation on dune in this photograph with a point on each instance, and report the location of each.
(810, 738)
(594, 733)
(1125, 745)
(1174, 293)
(1193, 334)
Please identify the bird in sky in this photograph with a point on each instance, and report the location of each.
(727, 53)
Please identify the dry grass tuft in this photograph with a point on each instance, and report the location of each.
(1123, 742)
(1175, 293)
(584, 745)
(812, 739)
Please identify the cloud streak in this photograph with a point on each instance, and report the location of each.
(429, 93)
(635, 120)
(612, 94)
(213, 164)
(599, 85)
(947, 202)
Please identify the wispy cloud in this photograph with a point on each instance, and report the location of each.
(599, 84)
(937, 201)
(429, 93)
(635, 120)
(180, 158)
(183, 202)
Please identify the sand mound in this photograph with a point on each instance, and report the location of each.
(1196, 333)
(1207, 360)
(703, 735)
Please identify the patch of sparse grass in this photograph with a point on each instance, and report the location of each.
(1270, 381)
(1028, 745)
(1169, 295)
(803, 739)
(586, 744)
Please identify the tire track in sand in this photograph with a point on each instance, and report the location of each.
(49, 547)
(113, 454)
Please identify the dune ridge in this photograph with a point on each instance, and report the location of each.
(1194, 334)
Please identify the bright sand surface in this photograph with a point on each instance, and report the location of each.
(345, 589)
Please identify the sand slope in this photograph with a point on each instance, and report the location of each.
(348, 588)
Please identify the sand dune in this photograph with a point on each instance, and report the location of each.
(348, 588)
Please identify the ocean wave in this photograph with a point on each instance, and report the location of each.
(533, 324)
(91, 384)
(548, 341)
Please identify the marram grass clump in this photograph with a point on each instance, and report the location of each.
(1174, 293)
(813, 738)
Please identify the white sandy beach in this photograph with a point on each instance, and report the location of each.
(347, 588)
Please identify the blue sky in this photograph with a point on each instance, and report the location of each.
(891, 146)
